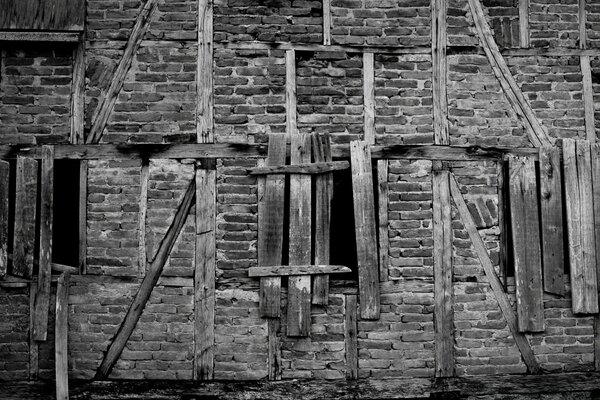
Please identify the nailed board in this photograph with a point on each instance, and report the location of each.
(25, 214)
(45, 15)
(4, 181)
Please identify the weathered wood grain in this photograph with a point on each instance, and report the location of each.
(588, 98)
(526, 244)
(366, 238)
(318, 167)
(82, 216)
(502, 221)
(486, 262)
(383, 238)
(551, 213)
(582, 25)
(42, 297)
(78, 94)
(439, 42)
(290, 92)
(369, 97)
(55, 37)
(4, 193)
(44, 15)
(34, 348)
(524, 23)
(326, 22)
(143, 211)
(351, 336)
(299, 287)
(443, 272)
(287, 270)
(25, 215)
(204, 73)
(274, 361)
(61, 331)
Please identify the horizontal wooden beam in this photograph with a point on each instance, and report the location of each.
(319, 47)
(287, 270)
(64, 37)
(310, 168)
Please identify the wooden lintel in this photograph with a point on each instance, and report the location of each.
(62, 37)
(305, 168)
(287, 270)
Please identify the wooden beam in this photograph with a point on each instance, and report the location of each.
(366, 237)
(4, 193)
(287, 270)
(147, 285)
(595, 151)
(313, 47)
(305, 168)
(204, 73)
(204, 281)
(369, 97)
(323, 197)
(274, 361)
(290, 92)
(299, 286)
(351, 336)
(439, 42)
(34, 348)
(525, 230)
(550, 52)
(82, 216)
(63, 37)
(382, 212)
(270, 227)
(588, 99)
(25, 215)
(110, 98)
(443, 272)
(535, 131)
(61, 331)
(486, 262)
(502, 221)
(582, 25)
(326, 22)
(144, 178)
(524, 23)
(551, 206)
(42, 297)
(78, 93)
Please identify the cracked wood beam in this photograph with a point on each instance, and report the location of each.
(152, 275)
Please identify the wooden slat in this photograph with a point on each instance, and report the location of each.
(147, 285)
(82, 217)
(108, 101)
(486, 262)
(526, 244)
(383, 238)
(25, 214)
(204, 73)
(369, 97)
(442, 270)
(326, 22)
(34, 348)
(524, 23)
(204, 282)
(551, 212)
(4, 181)
(522, 108)
(142, 255)
(440, 72)
(351, 336)
(61, 331)
(366, 238)
(270, 227)
(274, 361)
(588, 99)
(306, 169)
(78, 94)
(290, 92)
(582, 25)
(323, 197)
(299, 287)
(287, 270)
(42, 298)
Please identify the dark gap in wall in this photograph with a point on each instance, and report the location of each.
(11, 208)
(567, 267)
(510, 260)
(343, 236)
(65, 232)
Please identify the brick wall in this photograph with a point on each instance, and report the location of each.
(14, 334)
(461, 27)
(554, 24)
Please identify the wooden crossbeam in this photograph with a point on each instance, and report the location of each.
(61, 331)
(287, 270)
(495, 284)
(4, 182)
(304, 168)
(25, 215)
(147, 285)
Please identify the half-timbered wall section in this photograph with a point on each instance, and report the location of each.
(318, 189)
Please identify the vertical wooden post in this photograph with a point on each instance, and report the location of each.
(42, 298)
(25, 214)
(34, 357)
(274, 360)
(440, 72)
(384, 242)
(204, 73)
(582, 25)
(351, 336)
(204, 282)
(83, 170)
(78, 93)
(369, 97)
(595, 150)
(326, 22)
(4, 182)
(144, 178)
(290, 92)
(502, 221)
(588, 98)
(61, 329)
(524, 23)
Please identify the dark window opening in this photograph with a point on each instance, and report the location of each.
(65, 232)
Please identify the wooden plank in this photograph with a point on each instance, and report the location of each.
(275, 363)
(307, 168)
(144, 178)
(551, 213)
(369, 97)
(204, 73)
(502, 222)
(147, 285)
(204, 282)
(486, 262)
(82, 216)
(588, 98)
(270, 227)
(299, 286)
(4, 193)
(351, 337)
(364, 220)
(524, 23)
(42, 15)
(442, 269)
(59, 37)
(108, 101)
(64, 268)
(326, 22)
(258, 45)
(440, 71)
(323, 197)
(25, 214)
(526, 244)
(34, 348)
(61, 331)
(42, 297)
(535, 131)
(290, 92)
(382, 212)
(287, 270)
(78, 94)
(582, 25)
